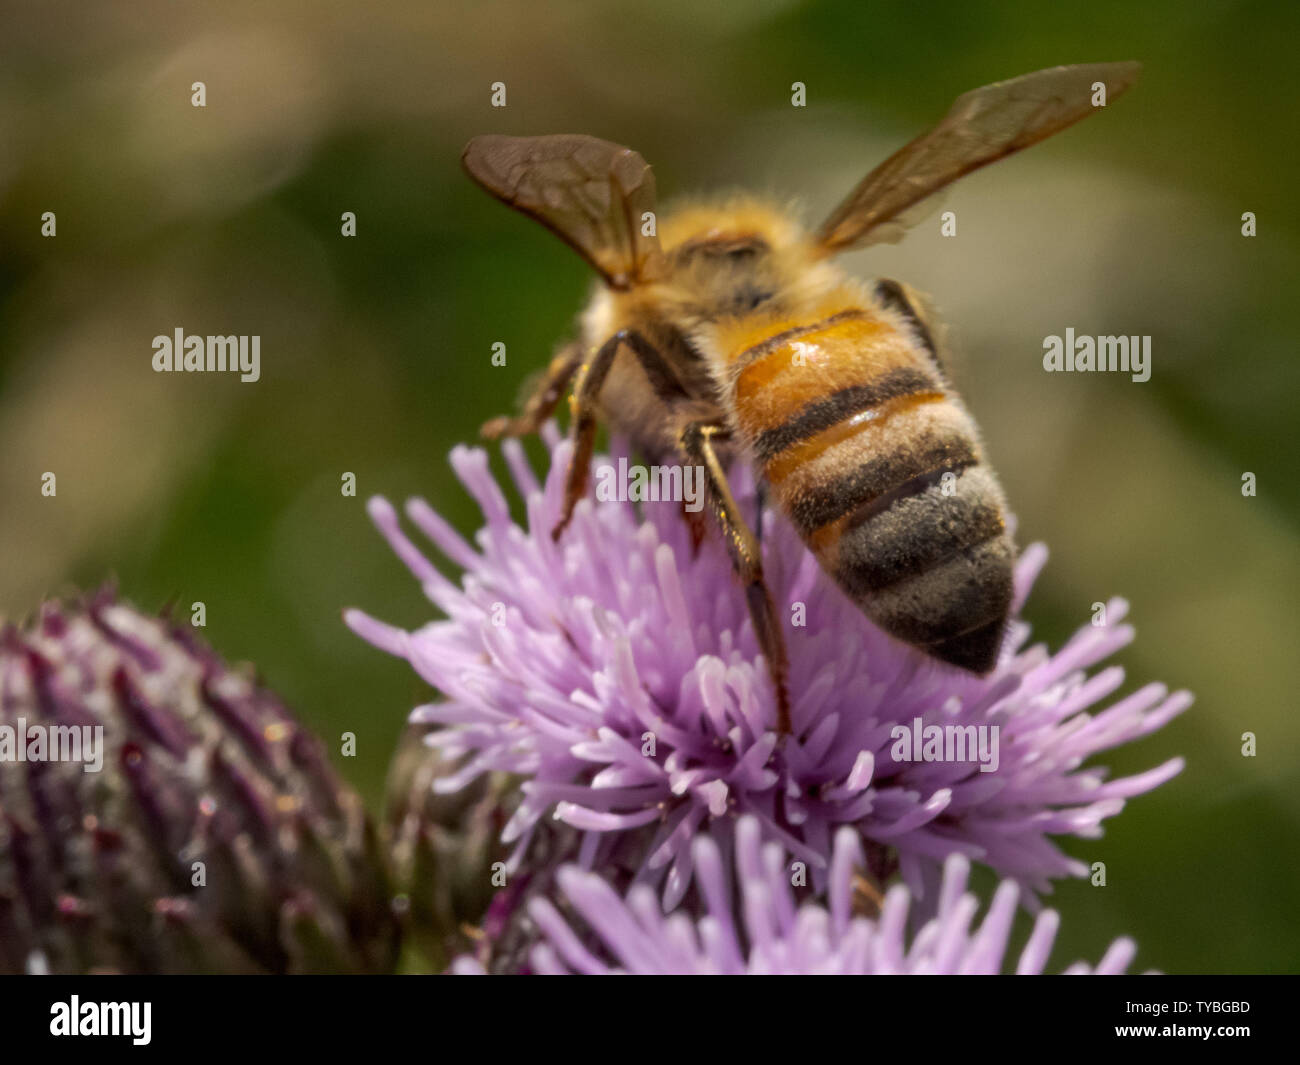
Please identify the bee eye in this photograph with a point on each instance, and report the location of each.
(736, 250)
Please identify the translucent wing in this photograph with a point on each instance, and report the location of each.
(982, 126)
(589, 192)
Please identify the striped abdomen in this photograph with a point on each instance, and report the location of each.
(879, 468)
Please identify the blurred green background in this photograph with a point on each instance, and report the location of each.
(376, 349)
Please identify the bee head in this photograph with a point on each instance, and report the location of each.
(728, 272)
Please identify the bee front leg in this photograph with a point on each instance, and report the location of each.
(543, 399)
(746, 558)
(583, 431)
(591, 379)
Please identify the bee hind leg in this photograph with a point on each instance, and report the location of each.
(746, 559)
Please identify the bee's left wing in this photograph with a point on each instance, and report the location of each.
(591, 193)
(982, 126)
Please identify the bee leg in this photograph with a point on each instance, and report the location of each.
(907, 302)
(696, 523)
(583, 431)
(867, 898)
(760, 505)
(543, 399)
(746, 559)
(590, 380)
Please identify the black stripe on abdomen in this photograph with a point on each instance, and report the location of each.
(895, 475)
(882, 546)
(825, 413)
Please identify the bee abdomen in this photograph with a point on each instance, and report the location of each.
(905, 516)
(877, 466)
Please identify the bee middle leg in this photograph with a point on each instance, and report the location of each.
(746, 558)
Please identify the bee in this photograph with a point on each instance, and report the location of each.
(723, 333)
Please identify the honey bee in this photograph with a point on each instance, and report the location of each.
(722, 333)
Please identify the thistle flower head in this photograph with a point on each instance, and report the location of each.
(616, 672)
(759, 929)
(162, 812)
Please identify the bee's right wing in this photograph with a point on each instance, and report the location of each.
(591, 193)
(982, 126)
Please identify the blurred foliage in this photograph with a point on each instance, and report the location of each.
(376, 349)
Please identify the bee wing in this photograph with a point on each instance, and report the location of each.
(589, 192)
(982, 126)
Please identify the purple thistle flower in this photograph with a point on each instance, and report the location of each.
(770, 936)
(616, 671)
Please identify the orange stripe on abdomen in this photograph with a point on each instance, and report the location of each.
(780, 379)
(808, 447)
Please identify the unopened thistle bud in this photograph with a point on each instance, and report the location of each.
(445, 850)
(161, 812)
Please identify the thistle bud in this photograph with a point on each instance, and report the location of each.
(444, 848)
(161, 812)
